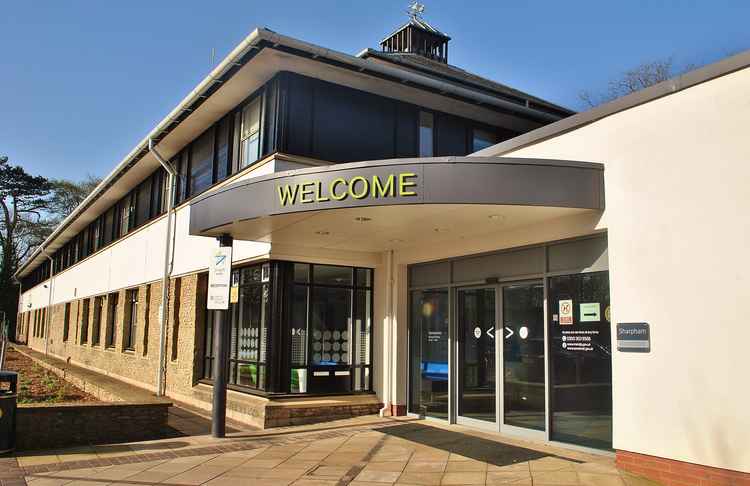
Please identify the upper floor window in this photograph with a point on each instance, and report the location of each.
(250, 133)
(483, 139)
(426, 130)
(202, 162)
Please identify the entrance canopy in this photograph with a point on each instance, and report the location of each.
(378, 205)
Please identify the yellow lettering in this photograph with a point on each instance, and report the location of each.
(287, 194)
(403, 184)
(380, 190)
(352, 187)
(319, 197)
(307, 190)
(332, 189)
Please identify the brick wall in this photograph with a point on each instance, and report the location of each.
(41, 426)
(677, 473)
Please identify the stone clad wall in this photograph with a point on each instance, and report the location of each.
(138, 366)
(44, 426)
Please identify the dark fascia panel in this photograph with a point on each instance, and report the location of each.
(439, 180)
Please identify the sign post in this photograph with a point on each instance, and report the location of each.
(219, 280)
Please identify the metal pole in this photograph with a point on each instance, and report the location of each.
(221, 343)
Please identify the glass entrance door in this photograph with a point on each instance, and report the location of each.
(523, 355)
(477, 398)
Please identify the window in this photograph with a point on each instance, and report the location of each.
(331, 327)
(109, 227)
(483, 139)
(112, 301)
(250, 321)
(127, 214)
(146, 309)
(96, 324)
(250, 133)
(132, 319)
(202, 162)
(143, 202)
(158, 192)
(182, 162)
(85, 322)
(223, 148)
(66, 322)
(426, 130)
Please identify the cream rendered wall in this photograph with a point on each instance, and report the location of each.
(677, 181)
(139, 258)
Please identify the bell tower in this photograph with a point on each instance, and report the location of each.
(418, 37)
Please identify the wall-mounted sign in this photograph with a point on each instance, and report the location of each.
(219, 277)
(633, 337)
(590, 312)
(566, 312)
(340, 188)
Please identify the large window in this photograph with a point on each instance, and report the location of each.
(250, 133)
(330, 329)
(85, 322)
(250, 320)
(66, 322)
(428, 358)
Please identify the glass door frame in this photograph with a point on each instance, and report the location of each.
(455, 375)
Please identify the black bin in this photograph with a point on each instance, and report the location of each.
(8, 398)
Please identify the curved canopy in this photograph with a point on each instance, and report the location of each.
(256, 207)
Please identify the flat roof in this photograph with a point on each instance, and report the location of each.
(688, 80)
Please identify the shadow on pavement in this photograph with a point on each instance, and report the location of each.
(470, 446)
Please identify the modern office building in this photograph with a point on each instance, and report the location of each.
(411, 238)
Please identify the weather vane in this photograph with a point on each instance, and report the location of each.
(415, 10)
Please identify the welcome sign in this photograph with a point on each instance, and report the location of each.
(358, 187)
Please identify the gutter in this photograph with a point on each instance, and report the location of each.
(215, 77)
(168, 250)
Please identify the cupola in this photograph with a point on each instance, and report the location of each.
(418, 37)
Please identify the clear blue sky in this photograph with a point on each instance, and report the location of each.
(81, 82)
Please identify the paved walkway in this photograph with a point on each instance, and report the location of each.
(365, 451)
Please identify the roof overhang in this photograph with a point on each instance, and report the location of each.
(252, 63)
(410, 201)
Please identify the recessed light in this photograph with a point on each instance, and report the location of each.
(362, 219)
(395, 240)
(440, 230)
(323, 233)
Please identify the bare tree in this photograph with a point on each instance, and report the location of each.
(635, 79)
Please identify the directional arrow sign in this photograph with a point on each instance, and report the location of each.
(491, 332)
(510, 332)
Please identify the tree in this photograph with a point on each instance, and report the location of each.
(66, 195)
(635, 79)
(24, 200)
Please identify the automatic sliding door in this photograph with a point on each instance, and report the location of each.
(523, 356)
(476, 359)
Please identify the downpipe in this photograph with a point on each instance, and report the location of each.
(163, 314)
(48, 318)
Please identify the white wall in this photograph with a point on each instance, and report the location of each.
(139, 258)
(677, 178)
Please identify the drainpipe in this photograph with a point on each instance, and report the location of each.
(167, 270)
(388, 341)
(48, 318)
(19, 307)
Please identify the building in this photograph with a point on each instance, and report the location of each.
(395, 218)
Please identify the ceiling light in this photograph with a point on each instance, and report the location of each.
(496, 217)
(362, 219)
(323, 233)
(440, 230)
(395, 240)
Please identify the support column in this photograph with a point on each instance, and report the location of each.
(221, 342)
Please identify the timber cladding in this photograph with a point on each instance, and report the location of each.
(43, 426)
